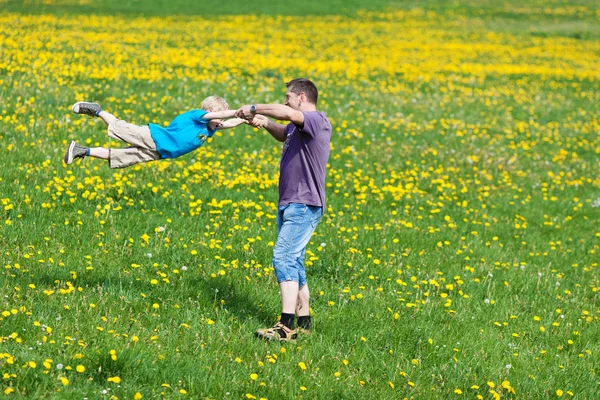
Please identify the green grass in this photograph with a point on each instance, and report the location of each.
(463, 203)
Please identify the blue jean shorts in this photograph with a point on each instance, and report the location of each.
(296, 224)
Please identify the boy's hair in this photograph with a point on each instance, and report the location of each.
(214, 103)
(304, 85)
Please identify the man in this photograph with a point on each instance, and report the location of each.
(301, 195)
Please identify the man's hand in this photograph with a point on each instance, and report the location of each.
(259, 121)
(244, 112)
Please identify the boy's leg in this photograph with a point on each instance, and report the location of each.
(121, 158)
(135, 135)
(107, 117)
(117, 158)
(99, 152)
(93, 110)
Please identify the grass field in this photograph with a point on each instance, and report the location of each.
(458, 256)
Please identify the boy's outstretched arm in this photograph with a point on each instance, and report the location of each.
(219, 114)
(232, 123)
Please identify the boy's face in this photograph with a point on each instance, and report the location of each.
(215, 122)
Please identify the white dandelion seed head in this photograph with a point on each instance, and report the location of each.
(59, 366)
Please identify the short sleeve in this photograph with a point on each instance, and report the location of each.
(313, 122)
(200, 116)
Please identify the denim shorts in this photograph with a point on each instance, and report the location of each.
(296, 224)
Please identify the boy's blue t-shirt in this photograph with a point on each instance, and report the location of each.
(185, 133)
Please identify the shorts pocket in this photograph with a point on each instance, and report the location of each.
(317, 214)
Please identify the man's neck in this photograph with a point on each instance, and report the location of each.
(308, 107)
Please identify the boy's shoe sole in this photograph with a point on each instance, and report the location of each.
(69, 154)
(74, 151)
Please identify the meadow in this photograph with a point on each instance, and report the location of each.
(457, 258)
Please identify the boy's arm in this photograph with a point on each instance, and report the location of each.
(277, 111)
(219, 114)
(232, 123)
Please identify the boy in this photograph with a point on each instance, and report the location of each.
(152, 142)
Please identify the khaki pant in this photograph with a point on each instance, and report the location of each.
(142, 149)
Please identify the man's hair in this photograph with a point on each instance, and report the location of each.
(214, 103)
(299, 85)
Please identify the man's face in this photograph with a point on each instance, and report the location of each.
(293, 100)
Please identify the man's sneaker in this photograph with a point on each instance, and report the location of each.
(74, 151)
(83, 107)
(279, 332)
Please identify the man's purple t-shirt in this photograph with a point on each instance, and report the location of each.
(304, 161)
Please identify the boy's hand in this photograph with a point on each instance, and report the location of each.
(259, 121)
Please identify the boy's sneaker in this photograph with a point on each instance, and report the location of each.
(74, 151)
(279, 332)
(83, 107)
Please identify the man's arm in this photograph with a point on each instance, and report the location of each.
(276, 130)
(277, 111)
(219, 114)
(232, 123)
